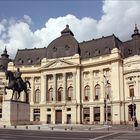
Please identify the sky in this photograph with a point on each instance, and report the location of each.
(35, 23)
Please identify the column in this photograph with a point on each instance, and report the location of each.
(55, 86)
(64, 86)
(91, 115)
(91, 86)
(32, 91)
(137, 88)
(43, 89)
(78, 85)
(102, 94)
(74, 86)
(102, 116)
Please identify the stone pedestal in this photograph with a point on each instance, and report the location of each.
(15, 112)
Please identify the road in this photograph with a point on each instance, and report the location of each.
(10, 134)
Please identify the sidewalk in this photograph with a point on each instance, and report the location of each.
(73, 127)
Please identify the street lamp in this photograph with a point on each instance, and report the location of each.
(133, 111)
(105, 101)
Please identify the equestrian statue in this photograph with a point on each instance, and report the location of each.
(16, 83)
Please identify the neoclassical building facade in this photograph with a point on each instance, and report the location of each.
(89, 82)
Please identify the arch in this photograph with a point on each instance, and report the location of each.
(97, 92)
(59, 94)
(37, 96)
(69, 93)
(86, 92)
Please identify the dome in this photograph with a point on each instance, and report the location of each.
(63, 46)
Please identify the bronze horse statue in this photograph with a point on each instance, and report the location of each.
(13, 85)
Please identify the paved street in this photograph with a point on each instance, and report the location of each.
(8, 134)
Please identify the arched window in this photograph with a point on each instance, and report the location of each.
(69, 93)
(86, 93)
(108, 91)
(97, 92)
(37, 96)
(59, 94)
(50, 94)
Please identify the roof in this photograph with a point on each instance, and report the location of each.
(30, 56)
(98, 47)
(66, 45)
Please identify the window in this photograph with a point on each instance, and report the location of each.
(59, 77)
(86, 93)
(107, 72)
(86, 114)
(107, 50)
(108, 91)
(50, 77)
(97, 52)
(69, 93)
(97, 114)
(129, 51)
(68, 109)
(59, 94)
(36, 115)
(29, 60)
(131, 91)
(69, 76)
(48, 109)
(50, 94)
(86, 75)
(37, 96)
(67, 47)
(1, 98)
(108, 113)
(87, 54)
(96, 73)
(97, 92)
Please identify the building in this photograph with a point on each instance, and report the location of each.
(74, 82)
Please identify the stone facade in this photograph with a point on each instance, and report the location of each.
(73, 86)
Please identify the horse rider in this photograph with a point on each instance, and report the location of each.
(19, 80)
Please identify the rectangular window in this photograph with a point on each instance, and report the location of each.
(86, 115)
(108, 113)
(97, 114)
(131, 91)
(68, 109)
(48, 109)
(36, 115)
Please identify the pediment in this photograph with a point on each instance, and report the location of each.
(59, 64)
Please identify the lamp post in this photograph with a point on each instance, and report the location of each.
(133, 112)
(105, 101)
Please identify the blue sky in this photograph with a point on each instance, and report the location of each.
(41, 10)
(36, 23)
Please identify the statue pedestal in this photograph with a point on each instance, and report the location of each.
(15, 112)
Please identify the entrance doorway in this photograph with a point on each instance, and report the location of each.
(58, 116)
(48, 118)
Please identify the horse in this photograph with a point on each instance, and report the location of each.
(13, 85)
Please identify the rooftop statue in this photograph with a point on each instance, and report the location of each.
(16, 84)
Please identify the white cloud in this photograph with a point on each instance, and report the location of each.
(27, 19)
(118, 17)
